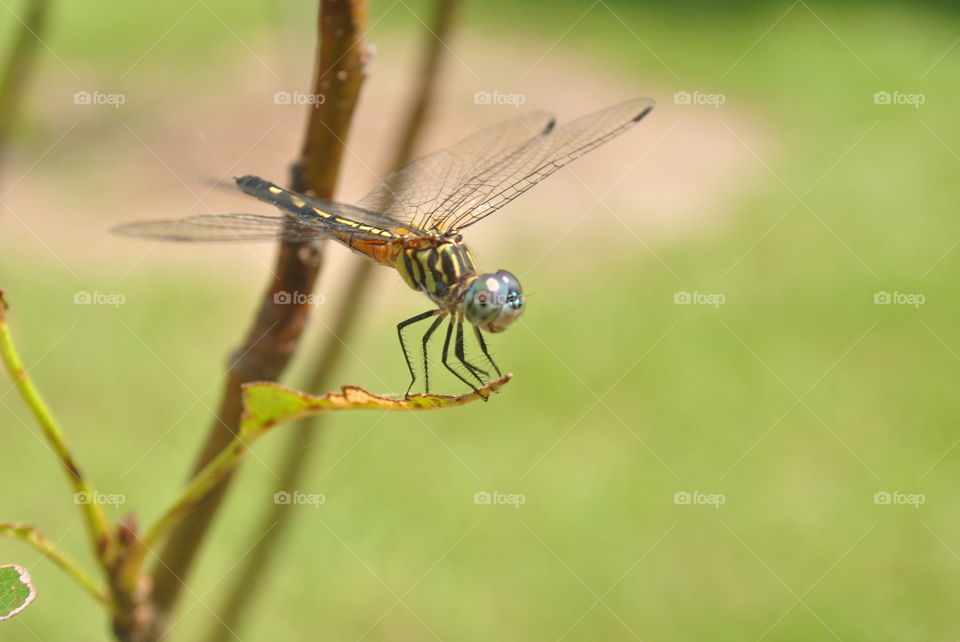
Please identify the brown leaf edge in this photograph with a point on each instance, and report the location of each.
(267, 404)
(26, 580)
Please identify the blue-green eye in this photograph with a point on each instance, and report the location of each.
(493, 301)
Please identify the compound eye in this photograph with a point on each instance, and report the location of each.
(509, 290)
(493, 301)
(510, 299)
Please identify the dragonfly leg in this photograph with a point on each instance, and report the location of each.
(446, 363)
(403, 345)
(486, 353)
(461, 356)
(426, 358)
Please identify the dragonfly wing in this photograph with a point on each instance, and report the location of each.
(223, 227)
(414, 194)
(530, 162)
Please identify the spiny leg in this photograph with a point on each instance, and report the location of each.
(426, 359)
(403, 345)
(461, 356)
(486, 353)
(446, 351)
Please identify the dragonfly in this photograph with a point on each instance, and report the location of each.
(413, 219)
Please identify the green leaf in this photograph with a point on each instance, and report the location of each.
(16, 590)
(268, 404)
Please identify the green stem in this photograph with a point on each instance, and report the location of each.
(193, 494)
(19, 64)
(256, 423)
(197, 488)
(95, 519)
(30, 536)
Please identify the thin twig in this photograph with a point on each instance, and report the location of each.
(328, 355)
(29, 535)
(339, 73)
(85, 495)
(264, 412)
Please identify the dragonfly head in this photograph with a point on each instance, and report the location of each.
(493, 301)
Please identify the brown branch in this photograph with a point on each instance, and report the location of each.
(339, 71)
(17, 70)
(302, 438)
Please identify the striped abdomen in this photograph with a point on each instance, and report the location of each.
(438, 270)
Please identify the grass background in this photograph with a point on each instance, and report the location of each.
(692, 398)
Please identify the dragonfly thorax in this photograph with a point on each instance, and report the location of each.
(442, 268)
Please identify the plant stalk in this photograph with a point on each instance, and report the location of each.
(339, 71)
(18, 67)
(329, 351)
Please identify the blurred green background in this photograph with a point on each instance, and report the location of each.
(798, 199)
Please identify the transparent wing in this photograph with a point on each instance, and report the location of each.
(224, 227)
(413, 194)
(456, 187)
(304, 219)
